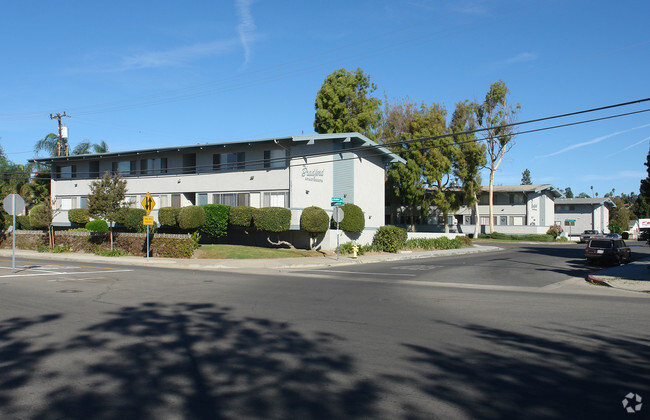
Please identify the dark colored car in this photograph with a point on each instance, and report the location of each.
(588, 234)
(607, 250)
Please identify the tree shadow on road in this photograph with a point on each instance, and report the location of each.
(194, 361)
(554, 374)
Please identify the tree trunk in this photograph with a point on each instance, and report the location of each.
(279, 242)
(110, 234)
(445, 216)
(491, 199)
(477, 220)
(412, 227)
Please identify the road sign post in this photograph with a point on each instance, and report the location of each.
(14, 204)
(148, 204)
(337, 215)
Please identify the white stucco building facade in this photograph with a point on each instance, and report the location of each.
(293, 172)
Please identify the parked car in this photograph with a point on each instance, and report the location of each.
(613, 236)
(607, 250)
(588, 234)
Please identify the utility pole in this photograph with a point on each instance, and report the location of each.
(59, 144)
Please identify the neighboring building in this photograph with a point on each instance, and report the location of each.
(576, 215)
(517, 209)
(293, 172)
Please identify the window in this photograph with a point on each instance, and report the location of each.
(144, 167)
(274, 159)
(216, 162)
(503, 220)
(202, 199)
(572, 207)
(189, 163)
(511, 198)
(226, 199)
(485, 220)
(176, 200)
(164, 201)
(67, 172)
(123, 167)
(163, 165)
(234, 160)
(93, 169)
(518, 220)
(468, 220)
(243, 199)
(66, 203)
(83, 202)
(275, 199)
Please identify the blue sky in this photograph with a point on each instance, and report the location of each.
(154, 74)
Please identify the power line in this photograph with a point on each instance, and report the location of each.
(374, 148)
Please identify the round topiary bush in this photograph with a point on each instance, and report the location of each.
(23, 223)
(353, 219)
(390, 238)
(191, 218)
(97, 226)
(78, 216)
(272, 219)
(132, 220)
(314, 220)
(241, 216)
(168, 216)
(216, 220)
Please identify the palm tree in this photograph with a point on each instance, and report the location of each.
(50, 145)
(85, 148)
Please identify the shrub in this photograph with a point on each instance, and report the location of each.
(132, 220)
(38, 216)
(390, 238)
(97, 226)
(615, 228)
(465, 240)
(168, 216)
(346, 248)
(191, 218)
(555, 231)
(314, 220)
(78, 216)
(241, 216)
(353, 219)
(23, 222)
(433, 243)
(216, 220)
(272, 219)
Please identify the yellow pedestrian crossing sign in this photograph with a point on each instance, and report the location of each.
(148, 203)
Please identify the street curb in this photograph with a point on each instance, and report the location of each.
(589, 278)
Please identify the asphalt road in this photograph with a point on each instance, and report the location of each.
(509, 334)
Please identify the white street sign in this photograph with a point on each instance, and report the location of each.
(9, 204)
(337, 214)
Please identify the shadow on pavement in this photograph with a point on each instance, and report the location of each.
(180, 361)
(554, 374)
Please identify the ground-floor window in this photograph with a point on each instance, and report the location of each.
(275, 199)
(485, 220)
(518, 220)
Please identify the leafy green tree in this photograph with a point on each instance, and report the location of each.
(568, 193)
(492, 115)
(584, 195)
(469, 159)
(525, 177)
(619, 215)
(106, 200)
(344, 104)
(642, 204)
(42, 216)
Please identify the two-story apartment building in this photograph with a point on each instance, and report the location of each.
(293, 172)
(576, 215)
(518, 209)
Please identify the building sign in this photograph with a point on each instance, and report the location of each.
(313, 175)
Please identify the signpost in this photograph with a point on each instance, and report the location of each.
(337, 215)
(14, 204)
(148, 204)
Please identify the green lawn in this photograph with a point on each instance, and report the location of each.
(244, 252)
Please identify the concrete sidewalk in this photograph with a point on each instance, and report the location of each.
(244, 264)
(634, 276)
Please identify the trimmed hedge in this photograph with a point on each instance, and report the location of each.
(434, 243)
(314, 220)
(390, 238)
(97, 226)
(191, 218)
(353, 218)
(241, 216)
(23, 223)
(216, 220)
(272, 219)
(168, 216)
(78, 216)
(161, 245)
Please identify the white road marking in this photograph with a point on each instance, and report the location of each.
(64, 273)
